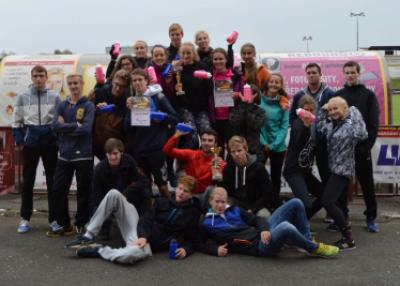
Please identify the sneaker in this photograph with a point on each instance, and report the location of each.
(63, 231)
(332, 227)
(23, 226)
(81, 241)
(345, 244)
(325, 251)
(88, 252)
(372, 226)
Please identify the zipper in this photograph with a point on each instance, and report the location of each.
(40, 114)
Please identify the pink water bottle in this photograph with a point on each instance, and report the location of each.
(117, 49)
(201, 74)
(152, 75)
(100, 74)
(300, 113)
(232, 37)
(247, 96)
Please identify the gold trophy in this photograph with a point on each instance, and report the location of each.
(179, 86)
(215, 169)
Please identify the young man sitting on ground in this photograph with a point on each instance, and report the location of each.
(170, 218)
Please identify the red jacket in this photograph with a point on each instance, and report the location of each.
(197, 164)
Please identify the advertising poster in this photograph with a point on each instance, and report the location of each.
(15, 78)
(7, 170)
(292, 67)
(386, 155)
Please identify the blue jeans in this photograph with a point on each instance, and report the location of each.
(288, 223)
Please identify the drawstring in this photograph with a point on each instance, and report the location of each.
(244, 176)
(237, 177)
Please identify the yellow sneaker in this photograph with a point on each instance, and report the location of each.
(325, 251)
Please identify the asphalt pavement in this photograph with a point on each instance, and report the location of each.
(34, 259)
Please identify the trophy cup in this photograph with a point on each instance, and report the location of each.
(179, 86)
(215, 169)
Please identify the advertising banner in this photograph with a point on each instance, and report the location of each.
(7, 170)
(386, 155)
(15, 78)
(292, 67)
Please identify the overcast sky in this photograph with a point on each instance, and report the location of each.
(87, 26)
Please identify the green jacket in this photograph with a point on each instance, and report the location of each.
(276, 124)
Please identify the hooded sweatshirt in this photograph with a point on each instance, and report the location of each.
(249, 185)
(365, 101)
(75, 134)
(276, 124)
(32, 118)
(169, 220)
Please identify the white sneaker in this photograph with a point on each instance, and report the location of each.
(23, 226)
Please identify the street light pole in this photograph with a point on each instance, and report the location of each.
(361, 14)
(307, 38)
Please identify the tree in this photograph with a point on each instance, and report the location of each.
(64, 52)
(3, 54)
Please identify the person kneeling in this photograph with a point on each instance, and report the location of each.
(233, 229)
(174, 218)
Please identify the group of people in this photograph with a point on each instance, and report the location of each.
(235, 119)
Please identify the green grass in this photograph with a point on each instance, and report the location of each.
(395, 83)
(396, 109)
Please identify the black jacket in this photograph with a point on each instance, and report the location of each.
(206, 57)
(366, 102)
(172, 52)
(246, 120)
(126, 178)
(168, 220)
(250, 186)
(149, 139)
(299, 135)
(197, 91)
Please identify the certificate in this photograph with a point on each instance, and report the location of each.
(223, 93)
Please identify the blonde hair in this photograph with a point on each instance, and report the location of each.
(238, 141)
(189, 182)
(192, 47)
(201, 32)
(342, 102)
(218, 191)
(75, 75)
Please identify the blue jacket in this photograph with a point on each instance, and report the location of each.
(33, 114)
(75, 134)
(276, 124)
(149, 139)
(236, 227)
(321, 97)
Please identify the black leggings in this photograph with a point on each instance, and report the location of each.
(303, 184)
(334, 189)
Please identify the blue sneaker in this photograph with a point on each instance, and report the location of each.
(81, 241)
(372, 226)
(23, 226)
(88, 252)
